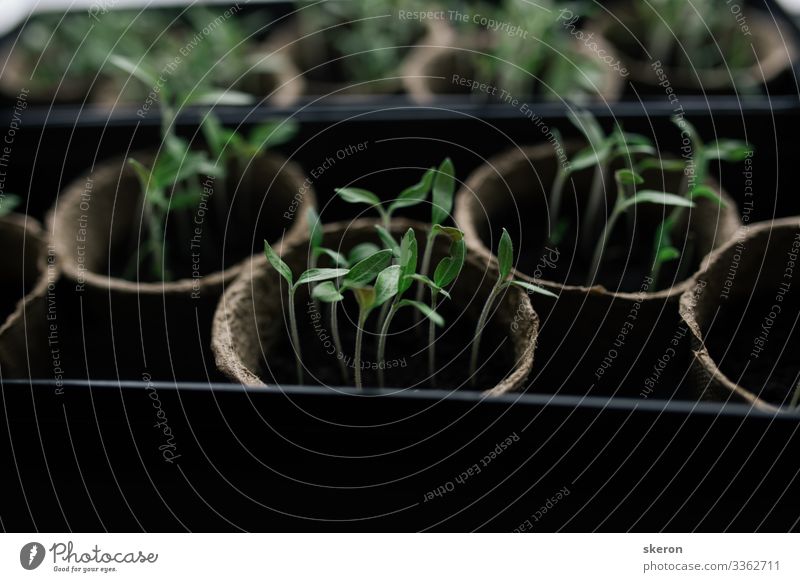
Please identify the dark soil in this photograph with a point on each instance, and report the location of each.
(773, 373)
(406, 347)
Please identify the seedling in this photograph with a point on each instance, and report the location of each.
(359, 280)
(505, 258)
(445, 274)
(309, 276)
(400, 278)
(8, 203)
(624, 204)
(697, 166)
(411, 196)
(601, 152)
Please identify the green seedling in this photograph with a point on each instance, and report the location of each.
(625, 203)
(601, 152)
(309, 276)
(8, 203)
(548, 55)
(445, 274)
(697, 166)
(505, 258)
(411, 196)
(399, 279)
(358, 280)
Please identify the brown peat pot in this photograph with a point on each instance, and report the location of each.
(743, 316)
(98, 224)
(251, 339)
(599, 338)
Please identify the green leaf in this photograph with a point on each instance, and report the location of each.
(729, 150)
(388, 240)
(214, 134)
(664, 165)
(655, 197)
(449, 267)
(363, 272)
(135, 70)
(626, 176)
(220, 97)
(706, 192)
(314, 228)
(272, 134)
(313, 275)
(444, 187)
(666, 254)
(424, 309)
(326, 292)
(407, 259)
(358, 196)
(587, 124)
(414, 194)
(277, 263)
(361, 252)
(586, 158)
(452, 233)
(505, 254)
(338, 258)
(386, 285)
(8, 203)
(531, 288)
(365, 297)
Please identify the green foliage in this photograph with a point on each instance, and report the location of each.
(8, 203)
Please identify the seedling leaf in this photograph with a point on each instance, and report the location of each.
(425, 310)
(314, 228)
(326, 292)
(414, 194)
(449, 267)
(531, 288)
(388, 240)
(365, 271)
(386, 284)
(505, 254)
(358, 196)
(360, 252)
(314, 275)
(444, 186)
(626, 176)
(277, 263)
(655, 197)
(706, 192)
(408, 259)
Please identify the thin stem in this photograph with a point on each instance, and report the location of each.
(155, 230)
(795, 398)
(362, 319)
(432, 342)
(594, 205)
(426, 265)
(382, 341)
(337, 340)
(476, 342)
(556, 193)
(295, 337)
(601, 246)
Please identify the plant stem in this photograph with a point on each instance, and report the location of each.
(556, 193)
(362, 319)
(382, 341)
(155, 230)
(432, 342)
(795, 398)
(426, 265)
(594, 205)
(337, 340)
(476, 342)
(295, 337)
(601, 246)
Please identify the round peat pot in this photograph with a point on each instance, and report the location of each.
(439, 68)
(251, 338)
(743, 315)
(608, 337)
(27, 283)
(100, 232)
(769, 44)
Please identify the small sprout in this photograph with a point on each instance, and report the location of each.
(8, 203)
(505, 259)
(625, 203)
(309, 276)
(411, 196)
